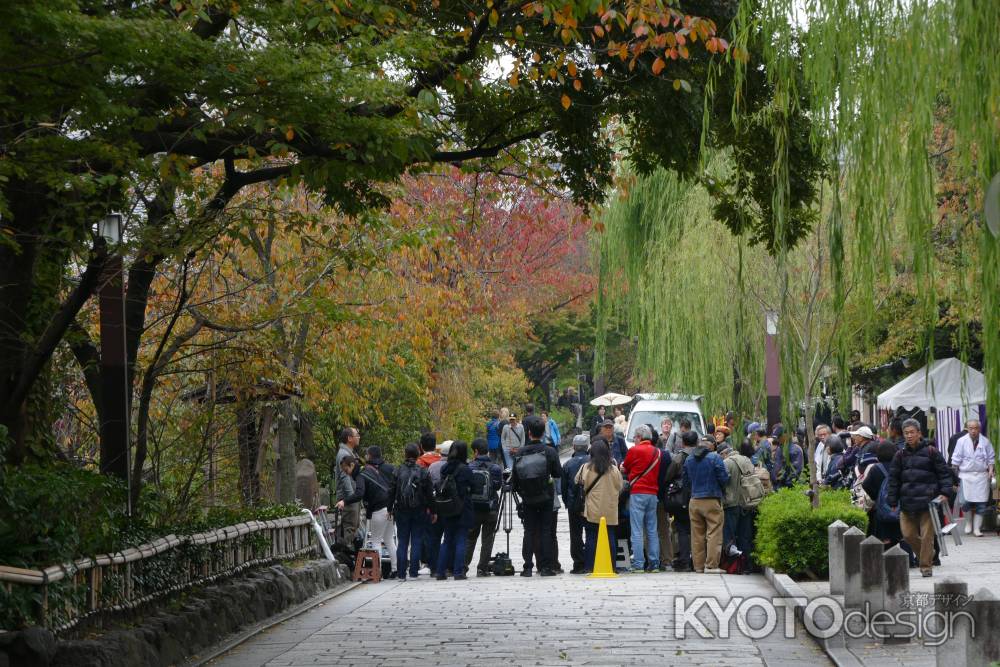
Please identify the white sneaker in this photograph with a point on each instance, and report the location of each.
(424, 570)
(977, 525)
(714, 570)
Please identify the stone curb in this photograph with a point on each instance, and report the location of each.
(213, 652)
(836, 646)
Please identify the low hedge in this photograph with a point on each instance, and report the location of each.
(792, 536)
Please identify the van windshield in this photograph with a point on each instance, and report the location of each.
(654, 418)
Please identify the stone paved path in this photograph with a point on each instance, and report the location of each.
(565, 620)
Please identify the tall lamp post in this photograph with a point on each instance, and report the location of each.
(114, 367)
(772, 372)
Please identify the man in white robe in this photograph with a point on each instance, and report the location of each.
(974, 460)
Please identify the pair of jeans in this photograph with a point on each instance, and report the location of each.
(537, 544)
(554, 539)
(410, 537)
(642, 517)
(485, 522)
(432, 542)
(452, 556)
(577, 526)
(592, 530)
(706, 532)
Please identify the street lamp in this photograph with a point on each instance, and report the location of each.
(110, 228)
(772, 372)
(115, 422)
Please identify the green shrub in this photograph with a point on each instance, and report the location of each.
(792, 536)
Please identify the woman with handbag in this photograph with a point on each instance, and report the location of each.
(602, 483)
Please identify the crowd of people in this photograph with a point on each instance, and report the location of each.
(678, 500)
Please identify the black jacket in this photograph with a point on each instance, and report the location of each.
(917, 476)
(552, 459)
(370, 485)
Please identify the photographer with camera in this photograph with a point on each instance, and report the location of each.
(535, 468)
(487, 480)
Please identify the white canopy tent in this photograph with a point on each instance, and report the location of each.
(955, 390)
(946, 383)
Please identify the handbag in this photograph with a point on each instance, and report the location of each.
(580, 499)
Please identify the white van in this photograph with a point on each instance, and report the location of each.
(652, 408)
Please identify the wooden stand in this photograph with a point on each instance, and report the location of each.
(368, 566)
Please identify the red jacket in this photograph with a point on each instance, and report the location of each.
(427, 458)
(636, 461)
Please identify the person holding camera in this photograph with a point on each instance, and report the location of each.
(535, 468)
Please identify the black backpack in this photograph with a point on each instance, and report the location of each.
(482, 489)
(447, 502)
(411, 490)
(675, 497)
(533, 481)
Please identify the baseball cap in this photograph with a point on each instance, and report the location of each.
(581, 440)
(607, 422)
(864, 432)
(752, 427)
(778, 431)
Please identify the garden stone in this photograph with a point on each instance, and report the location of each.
(835, 549)
(872, 574)
(983, 649)
(852, 566)
(952, 651)
(897, 587)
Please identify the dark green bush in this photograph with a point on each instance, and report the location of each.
(792, 536)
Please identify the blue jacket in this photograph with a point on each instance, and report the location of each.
(493, 427)
(555, 439)
(783, 474)
(705, 474)
(569, 470)
(619, 449)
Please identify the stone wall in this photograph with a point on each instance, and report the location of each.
(179, 627)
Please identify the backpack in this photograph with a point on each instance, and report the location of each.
(446, 500)
(676, 497)
(882, 510)
(482, 489)
(764, 476)
(836, 478)
(376, 488)
(859, 497)
(411, 494)
(751, 489)
(533, 482)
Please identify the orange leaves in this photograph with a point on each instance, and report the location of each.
(658, 66)
(566, 101)
(577, 85)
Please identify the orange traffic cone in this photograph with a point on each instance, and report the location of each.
(603, 567)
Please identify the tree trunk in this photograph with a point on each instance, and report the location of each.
(285, 478)
(248, 438)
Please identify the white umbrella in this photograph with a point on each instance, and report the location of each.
(611, 398)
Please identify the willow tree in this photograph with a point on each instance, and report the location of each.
(873, 74)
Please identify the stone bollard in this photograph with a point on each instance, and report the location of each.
(897, 589)
(852, 566)
(306, 484)
(951, 651)
(835, 550)
(872, 574)
(983, 648)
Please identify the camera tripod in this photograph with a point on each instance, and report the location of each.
(509, 503)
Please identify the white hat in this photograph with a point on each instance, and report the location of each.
(445, 447)
(864, 432)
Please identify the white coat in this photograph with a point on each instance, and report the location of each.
(973, 467)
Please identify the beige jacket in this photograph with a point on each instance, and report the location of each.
(603, 498)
